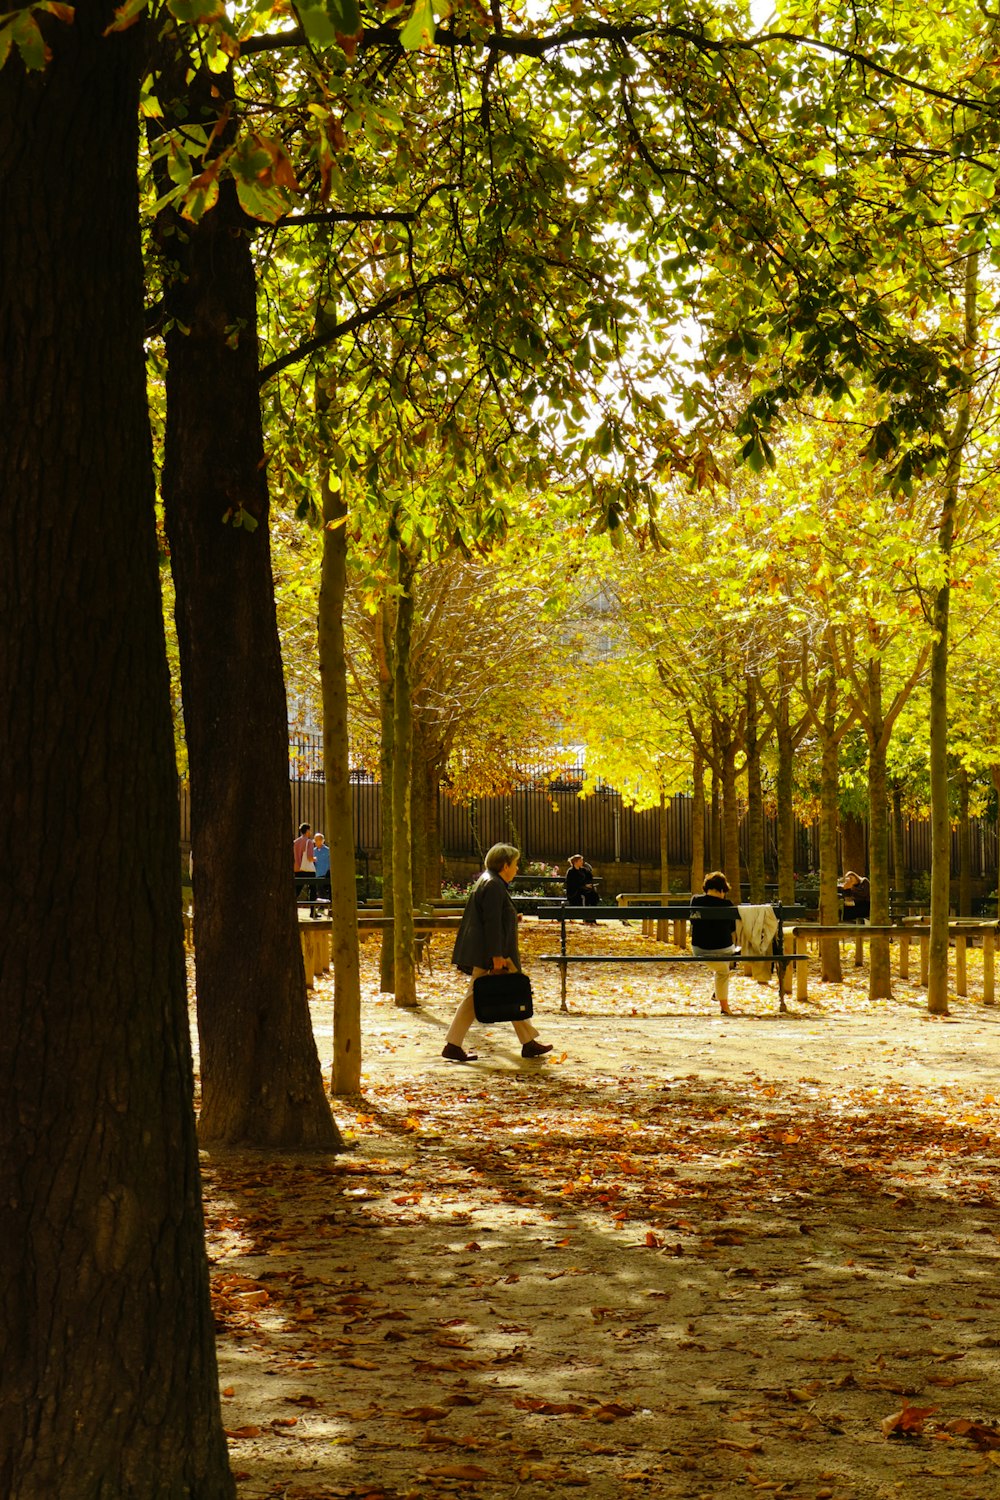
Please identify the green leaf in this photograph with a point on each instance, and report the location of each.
(6, 42)
(419, 29)
(30, 42)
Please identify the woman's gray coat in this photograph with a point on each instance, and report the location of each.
(488, 928)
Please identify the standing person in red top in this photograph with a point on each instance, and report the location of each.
(304, 858)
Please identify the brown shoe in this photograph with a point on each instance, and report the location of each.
(536, 1049)
(454, 1053)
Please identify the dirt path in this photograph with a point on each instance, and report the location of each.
(689, 1256)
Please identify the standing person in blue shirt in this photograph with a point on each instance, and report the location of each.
(321, 860)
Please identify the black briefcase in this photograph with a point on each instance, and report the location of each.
(501, 997)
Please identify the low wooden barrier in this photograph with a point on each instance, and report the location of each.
(315, 937)
(960, 931)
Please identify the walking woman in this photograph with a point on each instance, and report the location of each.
(487, 942)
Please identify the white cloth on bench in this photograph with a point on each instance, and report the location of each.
(758, 926)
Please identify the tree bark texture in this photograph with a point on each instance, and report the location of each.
(784, 792)
(405, 990)
(109, 1382)
(261, 1077)
(829, 796)
(697, 822)
(900, 874)
(346, 1071)
(937, 975)
(730, 814)
(387, 711)
(664, 845)
(755, 801)
(852, 843)
(964, 845)
(879, 977)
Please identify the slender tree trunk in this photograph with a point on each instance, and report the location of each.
(432, 796)
(419, 815)
(829, 788)
(879, 979)
(261, 1077)
(995, 778)
(937, 981)
(784, 784)
(387, 712)
(697, 822)
(900, 874)
(964, 845)
(402, 870)
(109, 1377)
(715, 822)
(755, 802)
(664, 845)
(346, 1072)
(731, 816)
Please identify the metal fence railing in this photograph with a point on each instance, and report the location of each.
(550, 822)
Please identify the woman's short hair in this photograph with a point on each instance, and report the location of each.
(715, 881)
(500, 855)
(575, 856)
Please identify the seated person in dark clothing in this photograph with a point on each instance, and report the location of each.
(712, 934)
(857, 893)
(580, 883)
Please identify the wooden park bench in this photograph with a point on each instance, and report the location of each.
(960, 931)
(315, 937)
(567, 914)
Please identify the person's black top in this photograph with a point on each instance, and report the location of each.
(716, 932)
(861, 894)
(577, 882)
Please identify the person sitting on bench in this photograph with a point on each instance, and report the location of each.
(712, 934)
(580, 884)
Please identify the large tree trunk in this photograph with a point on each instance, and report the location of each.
(937, 979)
(386, 629)
(261, 1077)
(829, 787)
(346, 1075)
(879, 979)
(109, 1376)
(755, 804)
(402, 868)
(784, 785)
(697, 822)
(852, 843)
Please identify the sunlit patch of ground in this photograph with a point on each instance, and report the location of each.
(688, 1256)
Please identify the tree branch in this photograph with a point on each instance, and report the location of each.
(351, 325)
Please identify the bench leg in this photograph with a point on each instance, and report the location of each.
(904, 957)
(859, 951)
(562, 986)
(989, 997)
(961, 987)
(802, 982)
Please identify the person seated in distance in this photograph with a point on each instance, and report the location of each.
(712, 934)
(487, 943)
